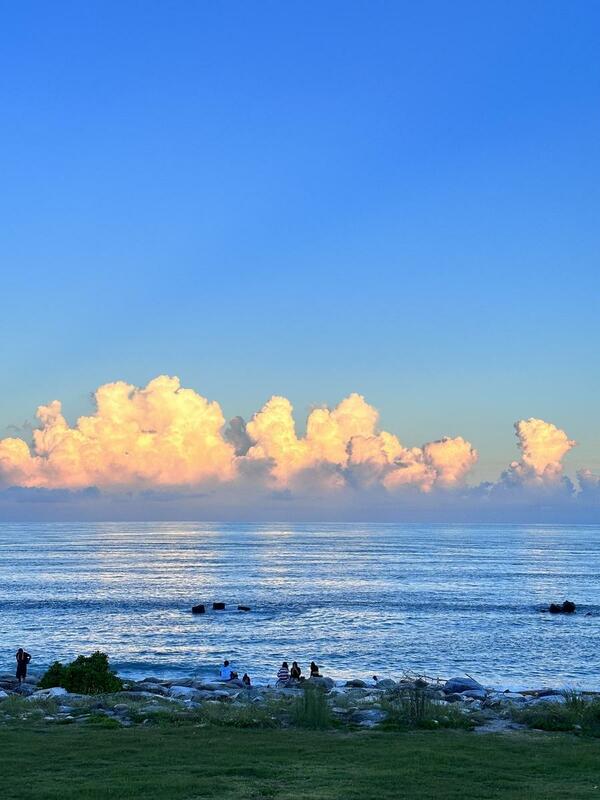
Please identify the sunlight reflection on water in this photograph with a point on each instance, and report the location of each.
(359, 599)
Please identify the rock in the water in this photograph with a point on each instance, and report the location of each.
(568, 607)
(386, 683)
(356, 683)
(462, 685)
(199, 609)
(243, 608)
(218, 606)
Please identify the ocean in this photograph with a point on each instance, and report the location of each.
(359, 599)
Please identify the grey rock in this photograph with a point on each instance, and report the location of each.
(386, 683)
(54, 691)
(552, 699)
(324, 683)
(356, 683)
(475, 694)
(461, 685)
(368, 717)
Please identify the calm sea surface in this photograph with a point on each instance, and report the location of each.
(359, 599)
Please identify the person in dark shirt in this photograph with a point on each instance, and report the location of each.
(295, 671)
(314, 670)
(23, 658)
(246, 679)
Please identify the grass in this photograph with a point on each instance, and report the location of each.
(310, 710)
(575, 714)
(412, 708)
(78, 762)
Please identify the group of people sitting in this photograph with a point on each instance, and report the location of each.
(286, 676)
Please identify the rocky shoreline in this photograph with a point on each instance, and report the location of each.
(354, 703)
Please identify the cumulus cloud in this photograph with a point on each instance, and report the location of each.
(163, 441)
(161, 435)
(543, 447)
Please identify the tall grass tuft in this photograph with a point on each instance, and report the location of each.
(577, 713)
(413, 708)
(310, 710)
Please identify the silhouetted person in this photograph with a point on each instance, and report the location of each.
(23, 658)
(295, 671)
(314, 670)
(246, 679)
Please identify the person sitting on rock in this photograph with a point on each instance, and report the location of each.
(23, 658)
(226, 673)
(295, 671)
(246, 679)
(283, 674)
(314, 670)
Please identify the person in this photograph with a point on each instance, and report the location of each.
(226, 673)
(283, 675)
(246, 679)
(314, 670)
(295, 671)
(23, 658)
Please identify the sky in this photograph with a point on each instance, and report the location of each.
(302, 200)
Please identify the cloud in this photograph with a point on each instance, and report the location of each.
(161, 435)
(543, 447)
(163, 442)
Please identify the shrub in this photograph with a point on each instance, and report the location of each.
(311, 710)
(85, 675)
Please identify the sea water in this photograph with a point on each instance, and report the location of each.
(360, 599)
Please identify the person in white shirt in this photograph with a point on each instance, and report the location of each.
(226, 673)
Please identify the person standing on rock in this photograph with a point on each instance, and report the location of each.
(23, 658)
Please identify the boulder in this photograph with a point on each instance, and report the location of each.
(322, 682)
(218, 606)
(386, 683)
(475, 694)
(551, 699)
(55, 691)
(568, 607)
(368, 717)
(356, 683)
(461, 685)
(3, 694)
(199, 609)
(183, 692)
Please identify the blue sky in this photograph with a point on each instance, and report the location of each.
(399, 199)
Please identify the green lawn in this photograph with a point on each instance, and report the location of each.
(189, 762)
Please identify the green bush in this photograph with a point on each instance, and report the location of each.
(85, 675)
(311, 710)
